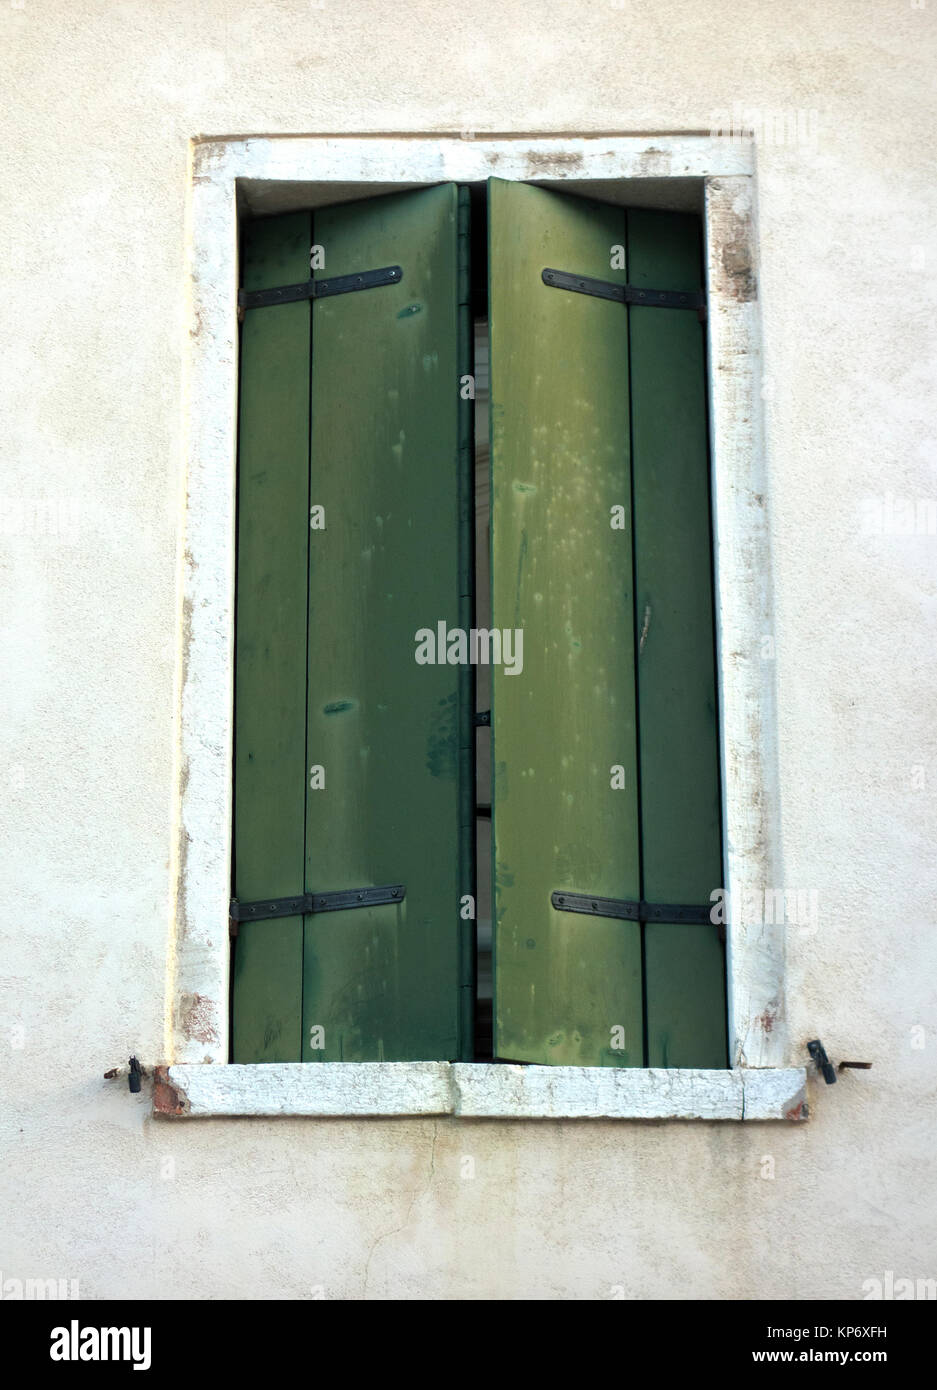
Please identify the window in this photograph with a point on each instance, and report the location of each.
(360, 748)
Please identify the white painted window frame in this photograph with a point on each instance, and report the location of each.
(277, 173)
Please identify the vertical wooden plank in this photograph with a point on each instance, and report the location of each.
(270, 680)
(467, 796)
(484, 860)
(383, 983)
(560, 463)
(677, 714)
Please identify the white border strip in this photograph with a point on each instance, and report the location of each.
(744, 620)
(480, 1091)
(418, 160)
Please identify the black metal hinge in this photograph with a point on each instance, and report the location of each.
(303, 903)
(624, 294)
(630, 910)
(320, 289)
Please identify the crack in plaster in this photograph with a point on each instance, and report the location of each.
(416, 1197)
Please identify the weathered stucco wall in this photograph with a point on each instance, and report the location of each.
(100, 104)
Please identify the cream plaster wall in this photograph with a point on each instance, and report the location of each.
(99, 104)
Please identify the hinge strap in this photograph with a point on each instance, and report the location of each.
(320, 289)
(625, 294)
(303, 903)
(630, 910)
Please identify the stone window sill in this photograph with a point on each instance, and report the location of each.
(479, 1090)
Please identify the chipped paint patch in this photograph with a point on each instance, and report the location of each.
(338, 706)
(766, 1020)
(737, 263)
(168, 1096)
(738, 280)
(197, 1019)
(442, 740)
(655, 163)
(644, 628)
(545, 161)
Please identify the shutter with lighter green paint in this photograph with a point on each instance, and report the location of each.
(677, 711)
(560, 462)
(596, 406)
(386, 461)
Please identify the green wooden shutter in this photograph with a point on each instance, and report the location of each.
(596, 406)
(679, 751)
(560, 462)
(270, 664)
(386, 458)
